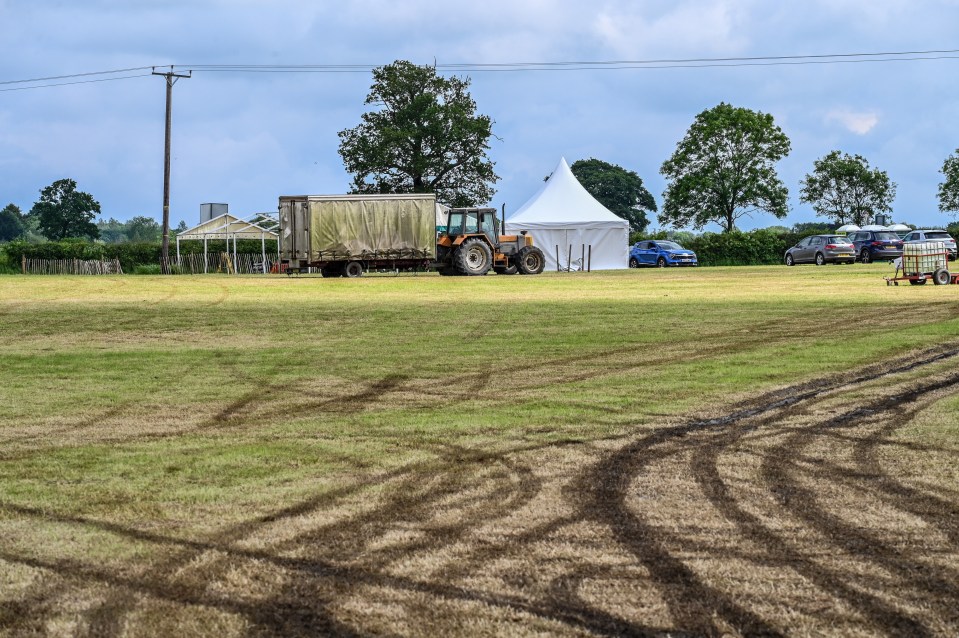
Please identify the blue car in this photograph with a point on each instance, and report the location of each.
(660, 253)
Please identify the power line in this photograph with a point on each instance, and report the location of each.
(43, 86)
(514, 67)
(78, 75)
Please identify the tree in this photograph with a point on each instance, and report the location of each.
(845, 190)
(144, 229)
(11, 223)
(618, 189)
(724, 168)
(425, 137)
(63, 211)
(949, 188)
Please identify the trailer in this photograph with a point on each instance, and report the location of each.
(922, 261)
(347, 235)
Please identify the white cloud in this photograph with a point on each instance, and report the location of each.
(859, 123)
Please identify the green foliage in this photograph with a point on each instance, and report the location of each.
(138, 229)
(618, 189)
(147, 269)
(845, 190)
(425, 137)
(11, 223)
(949, 188)
(62, 211)
(953, 229)
(812, 228)
(724, 168)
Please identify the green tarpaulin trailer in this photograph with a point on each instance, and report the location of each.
(345, 235)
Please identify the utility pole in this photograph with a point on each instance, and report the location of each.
(171, 78)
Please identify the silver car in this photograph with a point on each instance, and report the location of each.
(822, 249)
(933, 235)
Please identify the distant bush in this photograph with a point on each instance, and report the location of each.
(147, 269)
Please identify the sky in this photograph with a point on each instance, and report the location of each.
(247, 138)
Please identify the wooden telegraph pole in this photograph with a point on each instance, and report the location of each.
(171, 78)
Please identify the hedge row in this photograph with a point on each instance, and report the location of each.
(131, 255)
(751, 248)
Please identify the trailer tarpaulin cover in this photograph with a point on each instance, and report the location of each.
(366, 228)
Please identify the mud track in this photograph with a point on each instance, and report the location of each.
(805, 510)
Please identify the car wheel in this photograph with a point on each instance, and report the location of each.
(864, 256)
(661, 262)
(633, 262)
(789, 260)
(820, 259)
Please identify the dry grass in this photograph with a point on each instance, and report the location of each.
(723, 451)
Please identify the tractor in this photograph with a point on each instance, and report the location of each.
(472, 245)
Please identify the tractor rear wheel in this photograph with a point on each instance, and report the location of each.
(473, 257)
(530, 260)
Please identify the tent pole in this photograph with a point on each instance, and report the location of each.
(263, 250)
(589, 266)
(569, 258)
(557, 257)
(582, 256)
(204, 254)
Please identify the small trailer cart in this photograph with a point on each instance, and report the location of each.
(923, 261)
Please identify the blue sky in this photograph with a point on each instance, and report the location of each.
(247, 138)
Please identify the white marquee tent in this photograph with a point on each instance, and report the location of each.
(574, 230)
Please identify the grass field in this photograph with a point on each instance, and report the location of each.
(761, 450)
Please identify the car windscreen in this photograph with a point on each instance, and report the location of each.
(669, 245)
(887, 237)
(837, 239)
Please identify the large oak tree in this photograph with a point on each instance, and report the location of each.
(724, 168)
(62, 211)
(424, 137)
(844, 189)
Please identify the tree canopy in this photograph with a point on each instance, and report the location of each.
(424, 137)
(618, 189)
(845, 190)
(63, 211)
(724, 168)
(949, 188)
(11, 223)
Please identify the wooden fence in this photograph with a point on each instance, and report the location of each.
(70, 267)
(242, 264)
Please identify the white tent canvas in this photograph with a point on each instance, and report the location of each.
(568, 224)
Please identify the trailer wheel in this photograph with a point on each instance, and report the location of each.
(918, 282)
(941, 277)
(353, 269)
(473, 257)
(332, 271)
(530, 260)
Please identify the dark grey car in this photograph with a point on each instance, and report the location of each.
(821, 249)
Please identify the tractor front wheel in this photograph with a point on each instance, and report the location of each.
(530, 260)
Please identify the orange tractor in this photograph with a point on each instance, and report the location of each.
(471, 245)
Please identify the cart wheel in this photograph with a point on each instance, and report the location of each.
(941, 277)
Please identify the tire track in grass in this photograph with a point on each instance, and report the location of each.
(693, 603)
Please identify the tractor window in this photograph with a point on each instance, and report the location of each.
(470, 223)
